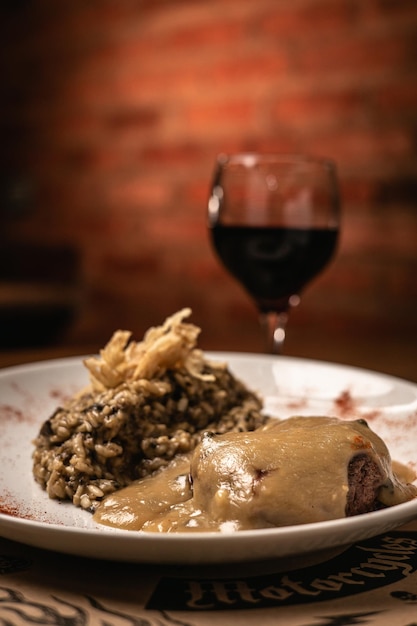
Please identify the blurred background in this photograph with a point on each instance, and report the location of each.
(112, 114)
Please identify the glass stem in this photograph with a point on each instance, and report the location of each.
(273, 325)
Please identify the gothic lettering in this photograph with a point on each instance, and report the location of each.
(220, 592)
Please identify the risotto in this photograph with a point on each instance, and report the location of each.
(146, 402)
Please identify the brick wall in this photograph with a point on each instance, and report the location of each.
(112, 113)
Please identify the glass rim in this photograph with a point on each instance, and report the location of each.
(249, 159)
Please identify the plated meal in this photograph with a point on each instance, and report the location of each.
(164, 440)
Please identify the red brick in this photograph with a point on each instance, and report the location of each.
(388, 10)
(327, 16)
(399, 97)
(311, 109)
(363, 147)
(209, 34)
(358, 191)
(173, 156)
(382, 53)
(132, 118)
(220, 119)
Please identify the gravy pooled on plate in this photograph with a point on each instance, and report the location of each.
(294, 471)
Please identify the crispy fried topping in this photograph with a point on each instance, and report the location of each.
(169, 346)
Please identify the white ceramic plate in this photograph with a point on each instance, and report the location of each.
(29, 394)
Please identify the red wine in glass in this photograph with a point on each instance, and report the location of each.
(274, 224)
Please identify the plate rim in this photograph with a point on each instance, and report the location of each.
(129, 538)
(78, 359)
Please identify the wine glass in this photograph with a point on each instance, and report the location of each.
(274, 223)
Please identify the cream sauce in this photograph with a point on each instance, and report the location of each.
(289, 472)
